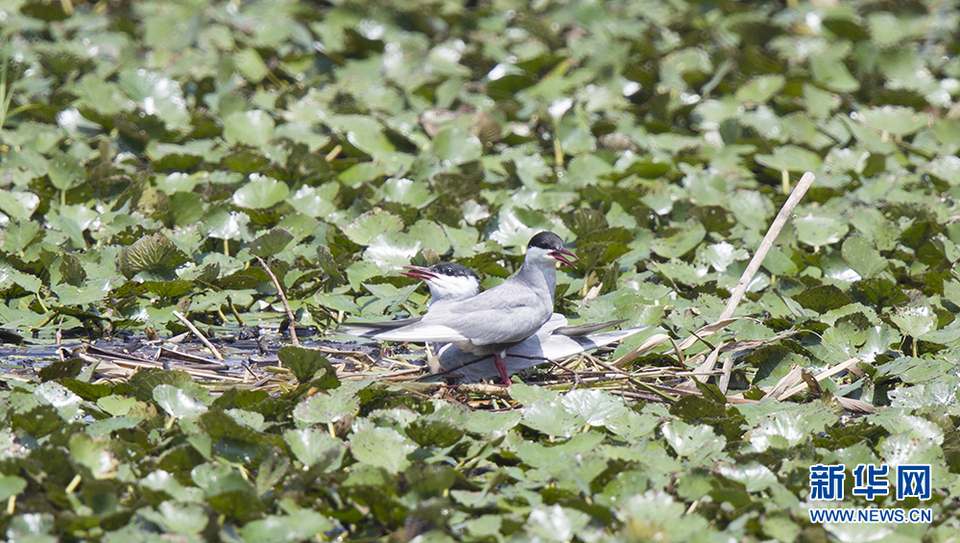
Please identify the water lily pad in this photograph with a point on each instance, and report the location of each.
(177, 518)
(896, 120)
(791, 158)
(556, 523)
(455, 146)
(300, 525)
(372, 224)
(260, 193)
(323, 408)
(155, 254)
(820, 230)
(381, 447)
(862, 257)
(251, 65)
(594, 406)
(760, 89)
(177, 402)
(691, 440)
(315, 447)
(254, 127)
(270, 243)
(11, 485)
(65, 173)
(550, 418)
(678, 241)
(305, 363)
(823, 298)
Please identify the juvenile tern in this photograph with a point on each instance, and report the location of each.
(448, 282)
(495, 320)
(553, 341)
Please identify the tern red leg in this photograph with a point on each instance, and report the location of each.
(500, 361)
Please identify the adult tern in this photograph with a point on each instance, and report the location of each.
(497, 319)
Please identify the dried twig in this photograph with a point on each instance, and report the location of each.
(640, 384)
(727, 372)
(754, 266)
(286, 305)
(196, 332)
(819, 377)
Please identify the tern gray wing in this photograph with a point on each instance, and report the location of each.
(501, 315)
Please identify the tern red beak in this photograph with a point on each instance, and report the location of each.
(561, 254)
(419, 272)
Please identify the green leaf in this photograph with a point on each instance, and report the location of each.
(260, 193)
(550, 418)
(221, 223)
(431, 432)
(305, 363)
(11, 485)
(251, 65)
(61, 369)
(371, 225)
(822, 298)
(791, 158)
(632, 426)
(271, 242)
(59, 396)
(754, 476)
(329, 265)
(254, 128)
(323, 408)
(154, 253)
(555, 523)
(832, 74)
(593, 406)
(820, 230)
(116, 405)
(455, 146)
(18, 204)
(382, 448)
(862, 257)
(300, 525)
(677, 241)
(315, 201)
(315, 448)
(177, 518)
(65, 172)
(88, 391)
(144, 381)
(760, 89)
(177, 402)
(895, 120)
(689, 440)
(778, 425)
